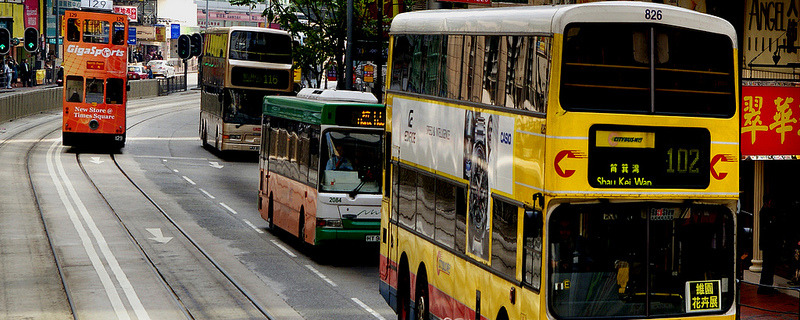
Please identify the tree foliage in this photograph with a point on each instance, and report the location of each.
(321, 25)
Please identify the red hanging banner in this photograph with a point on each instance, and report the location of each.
(770, 122)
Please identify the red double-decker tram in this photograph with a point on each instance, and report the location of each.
(95, 63)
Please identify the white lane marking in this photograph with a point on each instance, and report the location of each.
(215, 164)
(175, 170)
(62, 182)
(189, 180)
(291, 254)
(207, 194)
(319, 274)
(252, 226)
(365, 307)
(158, 236)
(228, 208)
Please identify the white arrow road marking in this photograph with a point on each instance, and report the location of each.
(158, 236)
(215, 164)
(96, 160)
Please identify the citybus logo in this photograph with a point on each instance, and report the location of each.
(94, 51)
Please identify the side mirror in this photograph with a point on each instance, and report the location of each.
(127, 86)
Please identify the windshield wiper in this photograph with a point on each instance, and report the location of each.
(353, 193)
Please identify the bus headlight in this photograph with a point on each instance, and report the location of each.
(329, 223)
(94, 124)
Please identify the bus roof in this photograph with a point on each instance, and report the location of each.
(315, 111)
(243, 28)
(549, 19)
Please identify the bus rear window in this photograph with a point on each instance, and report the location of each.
(261, 47)
(639, 260)
(607, 68)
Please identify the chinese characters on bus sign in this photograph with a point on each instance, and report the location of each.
(647, 157)
(702, 296)
(769, 121)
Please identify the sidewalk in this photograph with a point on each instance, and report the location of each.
(785, 301)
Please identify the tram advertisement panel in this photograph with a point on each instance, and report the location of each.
(468, 144)
(95, 63)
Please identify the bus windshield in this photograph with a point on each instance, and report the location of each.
(351, 161)
(607, 68)
(599, 258)
(261, 47)
(244, 107)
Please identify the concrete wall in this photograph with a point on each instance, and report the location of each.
(23, 104)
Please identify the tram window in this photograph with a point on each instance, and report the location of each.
(504, 237)
(119, 34)
(114, 91)
(74, 86)
(95, 31)
(407, 197)
(94, 90)
(532, 248)
(426, 202)
(445, 213)
(73, 30)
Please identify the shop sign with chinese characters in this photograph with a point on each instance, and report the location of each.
(703, 296)
(770, 122)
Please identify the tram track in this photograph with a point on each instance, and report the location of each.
(41, 141)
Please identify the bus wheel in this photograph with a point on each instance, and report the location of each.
(502, 315)
(301, 229)
(421, 306)
(403, 286)
(270, 222)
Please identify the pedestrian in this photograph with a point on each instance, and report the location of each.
(15, 69)
(25, 73)
(8, 72)
(769, 242)
(48, 73)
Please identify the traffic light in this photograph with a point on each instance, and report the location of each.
(197, 44)
(31, 39)
(184, 46)
(5, 41)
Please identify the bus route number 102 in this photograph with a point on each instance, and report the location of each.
(652, 14)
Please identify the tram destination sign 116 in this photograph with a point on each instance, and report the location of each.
(648, 157)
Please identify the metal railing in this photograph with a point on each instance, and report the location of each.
(739, 304)
(172, 84)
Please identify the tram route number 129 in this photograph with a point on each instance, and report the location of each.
(652, 14)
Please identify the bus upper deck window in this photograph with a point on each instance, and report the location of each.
(94, 90)
(96, 31)
(73, 30)
(74, 86)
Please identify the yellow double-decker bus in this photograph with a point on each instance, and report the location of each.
(561, 162)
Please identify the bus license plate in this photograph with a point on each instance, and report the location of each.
(373, 238)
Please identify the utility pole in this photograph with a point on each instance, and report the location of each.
(58, 28)
(348, 56)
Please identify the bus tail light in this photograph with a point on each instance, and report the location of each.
(329, 223)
